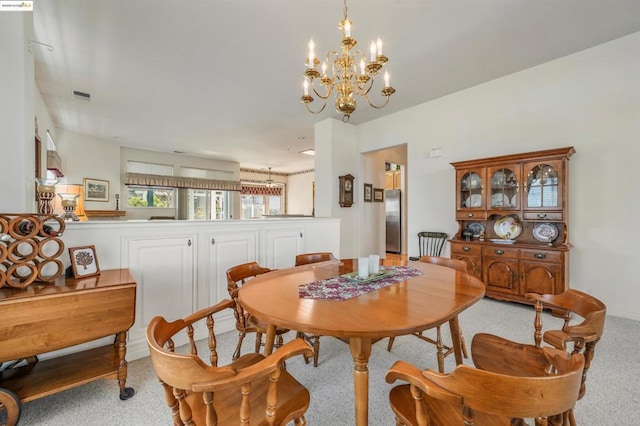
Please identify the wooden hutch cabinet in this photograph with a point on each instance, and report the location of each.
(512, 214)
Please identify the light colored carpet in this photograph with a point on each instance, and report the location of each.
(612, 396)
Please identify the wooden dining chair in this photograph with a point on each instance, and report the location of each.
(250, 390)
(499, 355)
(442, 350)
(306, 259)
(430, 244)
(245, 323)
(470, 396)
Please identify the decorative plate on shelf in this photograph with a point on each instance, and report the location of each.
(474, 181)
(475, 200)
(500, 200)
(476, 228)
(508, 227)
(545, 232)
(498, 179)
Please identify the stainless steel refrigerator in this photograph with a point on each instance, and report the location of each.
(393, 215)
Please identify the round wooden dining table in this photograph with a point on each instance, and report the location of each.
(433, 298)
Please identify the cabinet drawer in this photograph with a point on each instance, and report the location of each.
(471, 214)
(499, 251)
(542, 215)
(466, 249)
(541, 255)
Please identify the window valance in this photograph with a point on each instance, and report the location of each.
(261, 190)
(143, 179)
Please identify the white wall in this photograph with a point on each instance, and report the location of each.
(88, 157)
(337, 155)
(17, 131)
(300, 193)
(589, 100)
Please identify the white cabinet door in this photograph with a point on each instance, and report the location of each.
(227, 249)
(282, 246)
(163, 267)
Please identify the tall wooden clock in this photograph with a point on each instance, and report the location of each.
(345, 190)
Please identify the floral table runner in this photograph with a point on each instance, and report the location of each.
(340, 288)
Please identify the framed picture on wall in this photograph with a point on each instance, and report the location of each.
(84, 261)
(96, 189)
(378, 195)
(368, 192)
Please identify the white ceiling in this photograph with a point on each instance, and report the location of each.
(223, 78)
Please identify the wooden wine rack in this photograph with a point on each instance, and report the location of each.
(29, 249)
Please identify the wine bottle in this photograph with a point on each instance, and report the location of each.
(25, 227)
(5, 237)
(50, 231)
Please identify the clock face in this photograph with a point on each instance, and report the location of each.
(347, 185)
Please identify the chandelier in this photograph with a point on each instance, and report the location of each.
(350, 74)
(269, 181)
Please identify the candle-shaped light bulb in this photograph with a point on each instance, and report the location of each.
(386, 79)
(373, 51)
(305, 85)
(379, 45)
(362, 66)
(347, 28)
(311, 55)
(324, 68)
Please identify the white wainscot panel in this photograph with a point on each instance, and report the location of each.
(228, 249)
(164, 269)
(282, 247)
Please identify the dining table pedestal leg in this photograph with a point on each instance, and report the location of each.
(361, 351)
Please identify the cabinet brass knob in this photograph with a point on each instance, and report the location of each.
(469, 214)
(540, 256)
(499, 252)
(466, 248)
(542, 215)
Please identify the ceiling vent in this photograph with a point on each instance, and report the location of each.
(82, 95)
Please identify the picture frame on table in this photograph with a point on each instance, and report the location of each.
(378, 195)
(368, 192)
(84, 261)
(96, 189)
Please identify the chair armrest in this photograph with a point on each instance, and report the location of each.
(559, 301)
(259, 369)
(218, 307)
(559, 339)
(411, 374)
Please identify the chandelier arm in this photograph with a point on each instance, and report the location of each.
(318, 94)
(386, 101)
(363, 90)
(324, 104)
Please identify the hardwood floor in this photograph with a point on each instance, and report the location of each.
(395, 259)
